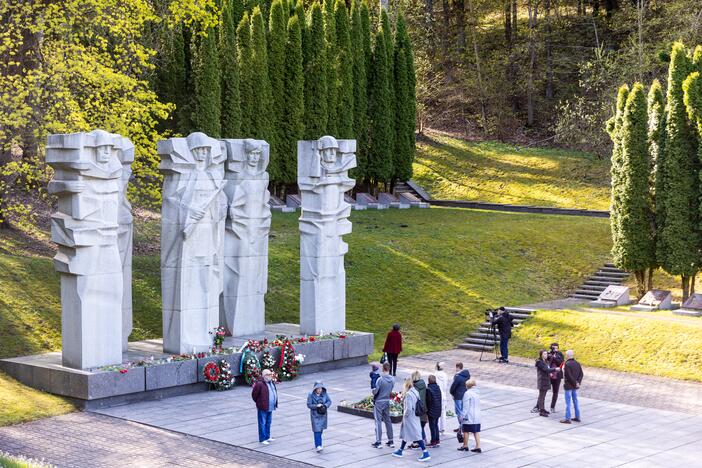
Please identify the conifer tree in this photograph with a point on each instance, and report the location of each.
(315, 77)
(231, 106)
(360, 91)
(634, 248)
(380, 110)
(302, 22)
(614, 126)
(344, 59)
(404, 108)
(656, 150)
(294, 110)
(243, 34)
(260, 85)
(680, 234)
(390, 54)
(367, 36)
(277, 32)
(332, 67)
(172, 79)
(237, 9)
(207, 111)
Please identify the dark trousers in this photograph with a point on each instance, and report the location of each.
(542, 399)
(434, 430)
(392, 359)
(424, 434)
(555, 385)
(504, 341)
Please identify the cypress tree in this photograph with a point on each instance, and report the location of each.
(206, 115)
(331, 68)
(366, 30)
(344, 58)
(315, 77)
(634, 249)
(277, 32)
(381, 123)
(680, 235)
(360, 90)
(302, 22)
(173, 80)
(260, 85)
(294, 110)
(614, 126)
(390, 54)
(231, 106)
(656, 150)
(243, 34)
(404, 108)
(237, 9)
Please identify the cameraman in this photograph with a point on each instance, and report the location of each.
(503, 322)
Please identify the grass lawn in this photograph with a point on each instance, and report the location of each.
(434, 271)
(618, 342)
(450, 168)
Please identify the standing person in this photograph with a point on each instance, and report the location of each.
(393, 347)
(318, 402)
(573, 373)
(543, 381)
(458, 388)
(410, 431)
(421, 387)
(265, 394)
(381, 411)
(471, 416)
(555, 360)
(434, 408)
(374, 374)
(442, 382)
(504, 327)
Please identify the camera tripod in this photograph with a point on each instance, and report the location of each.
(495, 342)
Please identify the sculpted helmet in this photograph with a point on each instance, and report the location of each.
(327, 142)
(251, 145)
(103, 138)
(198, 140)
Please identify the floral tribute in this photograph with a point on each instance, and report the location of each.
(226, 378)
(211, 372)
(267, 360)
(218, 335)
(250, 367)
(289, 362)
(367, 404)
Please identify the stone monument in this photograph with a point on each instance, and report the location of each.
(192, 240)
(246, 238)
(125, 232)
(322, 175)
(614, 295)
(87, 180)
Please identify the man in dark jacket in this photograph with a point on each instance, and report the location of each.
(393, 347)
(458, 388)
(265, 394)
(572, 376)
(434, 408)
(503, 322)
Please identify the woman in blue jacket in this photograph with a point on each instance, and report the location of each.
(318, 402)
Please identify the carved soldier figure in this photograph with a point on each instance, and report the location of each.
(192, 235)
(322, 170)
(85, 227)
(125, 232)
(246, 238)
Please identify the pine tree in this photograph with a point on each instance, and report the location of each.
(261, 88)
(243, 34)
(390, 54)
(331, 68)
(344, 58)
(380, 117)
(294, 110)
(634, 249)
(315, 77)
(360, 91)
(680, 234)
(231, 106)
(656, 150)
(277, 32)
(614, 126)
(404, 108)
(206, 115)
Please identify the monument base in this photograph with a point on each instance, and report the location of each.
(688, 312)
(145, 373)
(643, 308)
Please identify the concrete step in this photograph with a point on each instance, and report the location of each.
(475, 347)
(479, 341)
(597, 283)
(610, 265)
(481, 336)
(580, 296)
(523, 310)
(612, 271)
(605, 279)
(598, 288)
(592, 294)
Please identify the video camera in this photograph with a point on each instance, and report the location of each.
(491, 313)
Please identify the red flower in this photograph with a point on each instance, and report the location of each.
(311, 338)
(123, 371)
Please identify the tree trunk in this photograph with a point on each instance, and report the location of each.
(478, 69)
(549, 52)
(640, 283)
(685, 281)
(640, 6)
(508, 24)
(692, 284)
(460, 26)
(532, 6)
(649, 284)
(446, 32)
(514, 18)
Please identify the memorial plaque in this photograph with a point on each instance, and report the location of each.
(612, 296)
(694, 302)
(655, 297)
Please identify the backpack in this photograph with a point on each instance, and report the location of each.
(419, 409)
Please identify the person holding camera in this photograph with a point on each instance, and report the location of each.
(318, 402)
(555, 359)
(503, 322)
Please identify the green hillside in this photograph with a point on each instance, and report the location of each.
(450, 168)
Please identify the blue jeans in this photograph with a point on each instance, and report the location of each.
(458, 406)
(318, 439)
(572, 394)
(503, 347)
(264, 425)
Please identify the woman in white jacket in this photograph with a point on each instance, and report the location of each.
(442, 381)
(411, 430)
(470, 416)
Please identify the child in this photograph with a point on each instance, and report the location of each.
(374, 374)
(470, 416)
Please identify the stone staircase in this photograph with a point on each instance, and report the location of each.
(596, 283)
(483, 340)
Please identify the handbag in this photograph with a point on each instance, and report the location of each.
(384, 358)
(322, 409)
(459, 436)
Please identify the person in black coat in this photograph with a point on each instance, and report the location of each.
(434, 408)
(503, 322)
(555, 360)
(543, 381)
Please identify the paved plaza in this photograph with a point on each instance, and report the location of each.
(637, 421)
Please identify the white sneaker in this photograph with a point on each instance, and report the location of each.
(319, 448)
(265, 442)
(271, 439)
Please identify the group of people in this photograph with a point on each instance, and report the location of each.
(551, 369)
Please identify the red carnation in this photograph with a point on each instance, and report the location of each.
(123, 371)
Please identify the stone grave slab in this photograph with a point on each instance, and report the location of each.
(692, 306)
(277, 204)
(392, 201)
(355, 206)
(654, 299)
(370, 201)
(293, 201)
(412, 200)
(612, 296)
